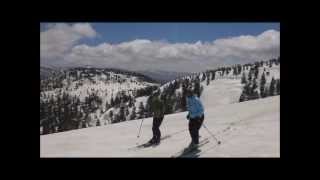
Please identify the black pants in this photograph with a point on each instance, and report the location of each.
(194, 127)
(155, 128)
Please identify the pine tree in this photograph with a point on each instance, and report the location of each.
(242, 97)
(262, 91)
(250, 76)
(272, 87)
(247, 89)
(127, 111)
(263, 80)
(243, 79)
(239, 69)
(256, 72)
(234, 72)
(122, 114)
(255, 95)
(112, 102)
(183, 100)
(98, 123)
(116, 118)
(107, 105)
(254, 92)
(213, 75)
(208, 82)
(131, 101)
(117, 102)
(255, 85)
(245, 93)
(133, 113)
(178, 102)
(197, 88)
(201, 89)
(278, 87)
(262, 86)
(203, 77)
(141, 110)
(44, 120)
(111, 115)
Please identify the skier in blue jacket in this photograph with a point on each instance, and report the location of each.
(195, 116)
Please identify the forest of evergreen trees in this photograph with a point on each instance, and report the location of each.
(255, 87)
(61, 111)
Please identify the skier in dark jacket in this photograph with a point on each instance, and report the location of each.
(157, 108)
(195, 116)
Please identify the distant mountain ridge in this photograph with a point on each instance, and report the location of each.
(46, 72)
(164, 76)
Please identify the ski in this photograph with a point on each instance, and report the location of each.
(146, 145)
(187, 151)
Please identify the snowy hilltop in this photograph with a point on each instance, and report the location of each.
(241, 109)
(85, 97)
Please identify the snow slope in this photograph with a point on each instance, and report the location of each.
(221, 91)
(247, 129)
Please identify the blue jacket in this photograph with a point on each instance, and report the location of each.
(195, 107)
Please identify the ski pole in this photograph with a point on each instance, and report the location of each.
(140, 129)
(219, 142)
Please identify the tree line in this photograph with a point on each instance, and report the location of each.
(256, 87)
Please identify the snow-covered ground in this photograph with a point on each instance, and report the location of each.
(221, 91)
(247, 129)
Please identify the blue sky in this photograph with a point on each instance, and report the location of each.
(175, 32)
(173, 46)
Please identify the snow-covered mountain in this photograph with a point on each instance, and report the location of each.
(89, 89)
(46, 72)
(232, 84)
(164, 76)
(89, 94)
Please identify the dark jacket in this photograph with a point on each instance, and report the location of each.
(157, 107)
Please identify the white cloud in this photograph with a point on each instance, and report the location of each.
(58, 39)
(142, 54)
